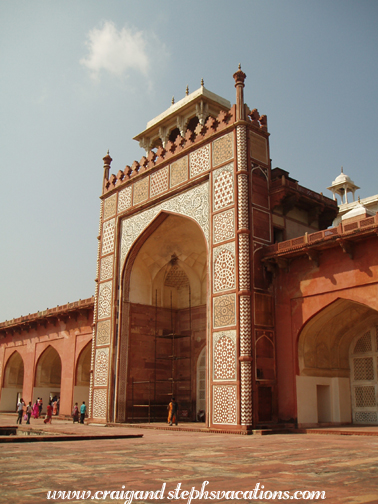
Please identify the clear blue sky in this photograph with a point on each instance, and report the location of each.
(79, 77)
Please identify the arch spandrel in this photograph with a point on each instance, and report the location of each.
(193, 203)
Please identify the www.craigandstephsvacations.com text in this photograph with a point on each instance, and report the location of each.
(257, 493)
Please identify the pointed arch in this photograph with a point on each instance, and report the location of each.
(14, 371)
(49, 369)
(164, 278)
(325, 378)
(82, 375)
(48, 376)
(13, 382)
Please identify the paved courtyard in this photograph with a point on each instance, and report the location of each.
(344, 467)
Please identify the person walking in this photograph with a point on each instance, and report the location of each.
(75, 413)
(83, 409)
(172, 412)
(20, 411)
(28, 412)
(48, 414)
(35, 413)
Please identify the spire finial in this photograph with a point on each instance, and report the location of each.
(173, 100)
(342, 170)
(202, 83)
(239, 66)
(359, 201)
(187, 90)
(107, 159)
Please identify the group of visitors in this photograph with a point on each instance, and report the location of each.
(76, 411)
(26, 411)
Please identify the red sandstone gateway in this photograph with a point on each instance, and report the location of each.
(219, 282)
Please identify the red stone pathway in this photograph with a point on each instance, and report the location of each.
(345, 467)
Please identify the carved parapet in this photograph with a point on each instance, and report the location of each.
(154, 157)
(257, 120)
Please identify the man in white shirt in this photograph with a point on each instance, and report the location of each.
(20, 410)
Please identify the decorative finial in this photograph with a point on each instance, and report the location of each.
(239, 67)
(342, 170)
(107, 159)
(202, 83)
(359, 201)
(187, 90)
(173, 100)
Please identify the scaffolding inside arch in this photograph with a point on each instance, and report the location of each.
(173, 352)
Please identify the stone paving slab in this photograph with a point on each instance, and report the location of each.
(345, 467)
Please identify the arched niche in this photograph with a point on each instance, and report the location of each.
(12, 382)
(48, 375)
(324, 380)
(82, 375)
(178, 243)
(164, 288)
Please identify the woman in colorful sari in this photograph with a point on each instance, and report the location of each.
(48, 414)
(55, 407)
(35, 411)
(75, 413)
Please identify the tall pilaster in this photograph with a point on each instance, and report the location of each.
(244, 287)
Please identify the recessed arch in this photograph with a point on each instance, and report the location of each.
(164, 281)
(324, 357)
(13, 381)
(324, 341)
(82, 375)
(48, 375)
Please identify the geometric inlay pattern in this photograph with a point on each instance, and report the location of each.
(101, 367)
(363, 368)
(224, 311)
(245, 325)
(246, 392)
(224, 409)
(193, 203)
(199, 160)
(179, 171)
(244, 272)
(223, 226)
(224, 269)
(159, 181)
(365, 396)
(108, 237)
(106, 269)
(224, 355)
(223, 149)
(365, 417)
(110, 206)
(124, 199)
(223, 187)
(99, 403)
(103, 333)
(141, 190)
(104, 300)
(363, 344)
(241, 143)
(243, 219)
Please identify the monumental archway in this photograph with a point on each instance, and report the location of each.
(163, 319)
